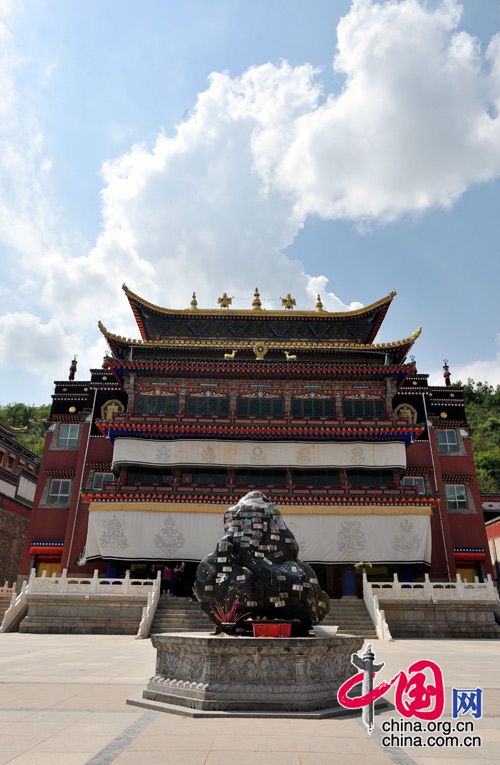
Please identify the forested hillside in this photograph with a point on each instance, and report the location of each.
(483, 414)
(29, 422)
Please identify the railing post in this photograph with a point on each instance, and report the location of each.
(460, 587)
(397, 586)
(126, 583)
(95, 581)
(428, 586)
(31, 581)
(63, 581)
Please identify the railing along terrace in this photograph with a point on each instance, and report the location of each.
(6, 591)
(89, 585)
(433, 591)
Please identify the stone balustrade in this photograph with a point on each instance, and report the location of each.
(434, 591)
(89, 585)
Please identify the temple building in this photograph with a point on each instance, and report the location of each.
(367, 462)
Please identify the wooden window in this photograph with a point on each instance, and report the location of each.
(456, 496)
(59, 491)
(209, 477)
(68, 435)
(318, 478)
(162, 405)
(150, 475)
(447, 441)
(367, 408)
(208, 406)
(369, 478)
(260, 407)
(251, 478)
(313, 407)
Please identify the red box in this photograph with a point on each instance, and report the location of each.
(268, 629)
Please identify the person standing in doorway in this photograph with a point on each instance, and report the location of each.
(178, 572)
(167, 580)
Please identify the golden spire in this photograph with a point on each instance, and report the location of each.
(194, 302)
(288, 302)
(256, 304)
(319, 304)
(225, 301)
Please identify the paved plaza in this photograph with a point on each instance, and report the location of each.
(63, 700)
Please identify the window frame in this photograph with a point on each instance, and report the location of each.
(257, 402)
(321, 403)
(69, 441)
(106, 478)
(168, 410)
(444, 445)
(414, 480)
(209, 402)
(361, 403)
(454, 503)
(59, 498)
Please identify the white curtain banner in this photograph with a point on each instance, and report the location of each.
(218, 453)
(329, 538)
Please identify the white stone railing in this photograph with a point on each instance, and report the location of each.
(90, 585)
(377, 614)
(18, 604)
(435, 591)
(148, 612)
(7, 591)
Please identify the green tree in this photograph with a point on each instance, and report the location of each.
(29, 423)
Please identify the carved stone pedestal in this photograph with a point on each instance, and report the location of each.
(203, 675)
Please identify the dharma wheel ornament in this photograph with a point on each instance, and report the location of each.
(225, 301)
(288, 302)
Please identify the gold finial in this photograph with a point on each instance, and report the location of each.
(288, 302)
(225, 301)
(319, 304)
(194, 302)
(256, 304)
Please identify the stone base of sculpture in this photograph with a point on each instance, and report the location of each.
(202, 675)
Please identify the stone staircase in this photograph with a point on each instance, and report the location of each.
(4, 604)
(351, 617)
(180, 615)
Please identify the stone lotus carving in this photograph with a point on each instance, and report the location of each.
(257, 562)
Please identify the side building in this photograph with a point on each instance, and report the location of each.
(367, 462)
(18, 476)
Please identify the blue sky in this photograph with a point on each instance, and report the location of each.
(346, 148)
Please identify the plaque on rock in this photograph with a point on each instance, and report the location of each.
(256, 561)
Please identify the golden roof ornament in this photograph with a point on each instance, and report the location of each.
(194, 303)
(319, 304)
(256, 304)
(288, 302)
(225, 301)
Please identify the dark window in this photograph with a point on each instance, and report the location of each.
(319, 478)
(211, 406)
(209, 477)
(251, 478)
(150, 475)
(68, 435)
(163, 405)
(101, 478)
(369, 478)
(363, 407)
(415, 480)
(447, 441)
(313, 407)
(10, 463)
(260, 407)
(59, 492)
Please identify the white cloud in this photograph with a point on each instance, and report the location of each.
(213, 207)
(35, 346)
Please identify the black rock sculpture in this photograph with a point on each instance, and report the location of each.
(256, 562)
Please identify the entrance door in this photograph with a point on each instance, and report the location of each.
(467, 573)
(51, 567)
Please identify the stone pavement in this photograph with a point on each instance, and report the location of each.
(62, 700)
